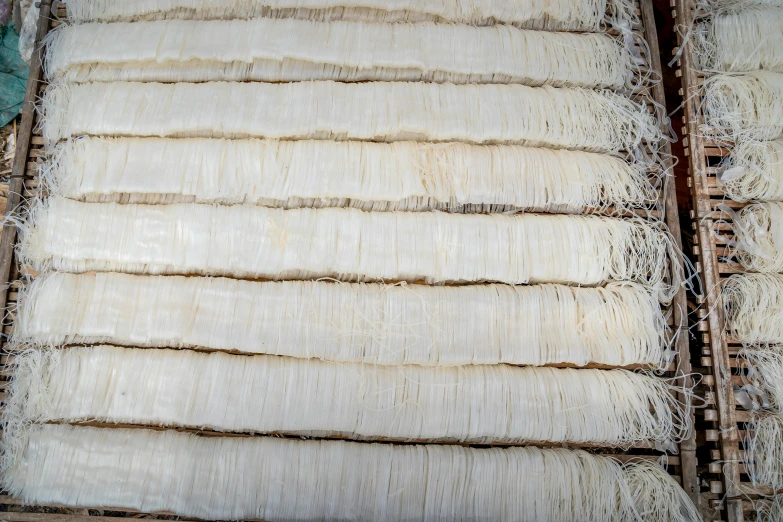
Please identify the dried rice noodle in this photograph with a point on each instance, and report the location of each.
(758, 231)
(765, 375)
(745, 106)
(286, 50)
(720, 6)
(231, 478)
(380, 111)
(578, 15)
(745, 40)
(754, 171)
(270, 394)
(620, 325)
(369, 176)
(773, 513)
(258, 242)
(764, 451)
(754, 307)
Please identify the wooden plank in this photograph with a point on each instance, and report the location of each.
(690, 480)
(11, 516)
(23, 138)
(721, 368)
(41, 516)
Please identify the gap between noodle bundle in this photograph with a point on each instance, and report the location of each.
(262, 243)
(309, 397)
(753, 306)
(271, 50)
(754, 172)
(370, 176)
(264, 478)
(599, 121)
(574, 15)
(619, 325)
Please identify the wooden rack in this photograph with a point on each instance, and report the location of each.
(731, 492)
(24, 182)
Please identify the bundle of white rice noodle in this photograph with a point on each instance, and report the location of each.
(370, 176)
(744, 106)
(720, 6)
(379, 111)
(286, 50)
(764, 451)
(271, 394)
(758, 231)
(232, 478)
(576, 15)
(754, 307)
(619, 325)
(774, 512)
(765, 375)
(745, 40)
(754, 172)
(264, 243)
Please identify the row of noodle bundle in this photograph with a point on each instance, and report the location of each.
(254, 242)
(618, 325)
(571, 118)
(738, 47)
(265, 477)
(581, 15)
(474, 403)
(266, 49)
(402, 175)
(409, 225)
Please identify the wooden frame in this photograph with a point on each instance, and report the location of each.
(24, 181)
(735, 494)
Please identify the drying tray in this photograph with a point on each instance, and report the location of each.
(24, 186)
(731, 492)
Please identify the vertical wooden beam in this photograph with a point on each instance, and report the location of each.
(16, 185)
(679, 304)
(724, 391)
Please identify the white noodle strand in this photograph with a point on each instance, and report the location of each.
(764, 451)
(258, 242)
(580, 15)
(745, 106)
(270, 394)
(758, 231)
(754, 172)
(233, 478)
(286, 50)
(722, 6)
(765, 374)
(773, 513)
(369, 176)
(620, 325)
(381, 111)
(741, 41)
(754, 307)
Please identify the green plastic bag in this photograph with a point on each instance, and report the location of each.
(13, 75)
